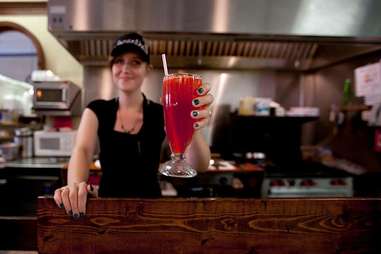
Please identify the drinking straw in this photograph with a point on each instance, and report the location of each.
(164, 64)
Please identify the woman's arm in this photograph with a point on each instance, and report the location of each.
(73, 196)
(198, 152)
(82, 155)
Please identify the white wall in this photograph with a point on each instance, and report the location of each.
(57, 57)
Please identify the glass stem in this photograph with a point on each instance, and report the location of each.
(177, 156)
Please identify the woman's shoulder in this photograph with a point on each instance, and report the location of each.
(100, 105)
(154, 107)
(153, 104)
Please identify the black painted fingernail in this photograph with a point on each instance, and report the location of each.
(196, 101)
(196, 125)
(81, 214)
(200, 90)
(61, 206)
(76, 216)
(70, 213)
(194, 113)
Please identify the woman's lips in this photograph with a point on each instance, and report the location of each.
(126, 78)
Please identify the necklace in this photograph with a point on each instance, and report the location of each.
(133, 128)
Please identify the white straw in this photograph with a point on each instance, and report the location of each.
(164, 64)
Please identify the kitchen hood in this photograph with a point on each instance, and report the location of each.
(222, 34)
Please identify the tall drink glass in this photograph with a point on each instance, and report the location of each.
(178, 92)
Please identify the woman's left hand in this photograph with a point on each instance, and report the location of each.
(202, 112)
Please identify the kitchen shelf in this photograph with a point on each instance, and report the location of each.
(278, 119)
(9, 124)
(355, 108)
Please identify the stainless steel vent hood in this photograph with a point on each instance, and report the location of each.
(240, 34)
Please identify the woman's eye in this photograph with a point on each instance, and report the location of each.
(119, 61)
(135, 63)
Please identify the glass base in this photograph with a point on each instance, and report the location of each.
(177, 167)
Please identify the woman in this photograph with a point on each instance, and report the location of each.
(130, 129)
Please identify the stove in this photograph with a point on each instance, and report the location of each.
(307, 180)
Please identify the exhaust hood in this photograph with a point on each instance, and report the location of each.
(222, 34)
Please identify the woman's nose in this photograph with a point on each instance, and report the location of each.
(126, 66)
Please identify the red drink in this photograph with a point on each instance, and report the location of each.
(178, 92)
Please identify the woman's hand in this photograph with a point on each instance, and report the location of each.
(73, 198)
(202, 112)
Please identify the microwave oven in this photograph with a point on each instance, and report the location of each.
(54, 143)
(56, 98)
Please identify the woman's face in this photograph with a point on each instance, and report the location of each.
(129, 71)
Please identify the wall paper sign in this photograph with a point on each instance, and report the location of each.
(368, 79)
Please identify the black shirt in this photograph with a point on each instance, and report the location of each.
(129, 162)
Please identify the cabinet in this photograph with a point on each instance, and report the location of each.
(20, 188)
(278, 137)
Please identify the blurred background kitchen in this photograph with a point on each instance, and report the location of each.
(297, 88)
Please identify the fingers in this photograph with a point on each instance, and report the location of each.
(201, 124)
(203, 116)
(65, 200)
(203, 101)
(203, 89)
(58, 198)
(201, 105)
(93, 190)
(73, 198)
(200, 114)
(82, 198)
(90, 188)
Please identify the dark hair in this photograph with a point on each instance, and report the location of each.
(131, 42)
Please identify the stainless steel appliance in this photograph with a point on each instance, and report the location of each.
(314, 186)
(56, 98)
(54, 143)
(24, 137)
(245, 34)
(308, 179)
(10, 151)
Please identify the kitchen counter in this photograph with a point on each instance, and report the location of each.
(48, 162)
(21, 181)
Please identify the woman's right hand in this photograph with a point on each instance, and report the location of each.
(73, 198)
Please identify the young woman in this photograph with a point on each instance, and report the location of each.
(130, 129)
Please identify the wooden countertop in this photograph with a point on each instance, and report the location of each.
(336, 225)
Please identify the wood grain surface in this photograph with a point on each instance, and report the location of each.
(252, 226)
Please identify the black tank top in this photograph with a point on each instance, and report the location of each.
(129, 162)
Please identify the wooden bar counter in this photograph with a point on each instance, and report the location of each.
(185, 226)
